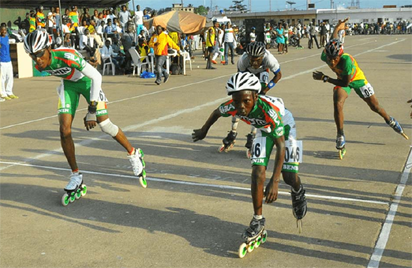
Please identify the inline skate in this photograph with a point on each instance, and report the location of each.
(254, 236)
(75, 189)
(299, 206)
(228, 142)
(138, 164)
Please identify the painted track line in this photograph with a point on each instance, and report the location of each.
(227, 187)
(390, 217)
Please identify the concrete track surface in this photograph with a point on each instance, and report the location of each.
(198, 201)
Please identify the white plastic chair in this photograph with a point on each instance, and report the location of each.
(186, 57)
(137, 61)
(174, 54)
(108, 64)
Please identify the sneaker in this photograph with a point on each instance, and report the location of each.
(76, 179)
(5, 97)
(157, 82)
(136, 159)
(214, 62)
(340, 142)
(166, 78)
(254, 229)
(12, 96)
(299, 203)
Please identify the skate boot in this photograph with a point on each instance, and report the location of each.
(397, 127)
(228, 142)
(340, 145)
(249, 142)
(138, 164)
(299, 206)
(74, 189)
(254, 235)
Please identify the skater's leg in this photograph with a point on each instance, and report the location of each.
(258, 182)
(339, 97)
(373, 104)
(111, 129)
(292, 179)
(66, 140)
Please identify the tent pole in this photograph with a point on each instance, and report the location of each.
(61, 20)
(134, 7)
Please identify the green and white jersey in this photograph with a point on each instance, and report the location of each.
(66, 63)
(266, 115)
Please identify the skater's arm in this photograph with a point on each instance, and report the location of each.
(344, 82)
(200, 134)
(272, 83)
(271, 191)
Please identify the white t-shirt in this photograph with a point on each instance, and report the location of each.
(124, 17)
(269, 62)
(138, 17)
(229, 35)
(252, 37)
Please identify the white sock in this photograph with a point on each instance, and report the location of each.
(258, 217)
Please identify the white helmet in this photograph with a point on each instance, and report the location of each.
(243, 81)
(36, 41)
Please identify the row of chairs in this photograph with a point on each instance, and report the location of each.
(137, 62)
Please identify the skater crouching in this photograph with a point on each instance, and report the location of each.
(265, 113)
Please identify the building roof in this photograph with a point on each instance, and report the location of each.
(48, 3)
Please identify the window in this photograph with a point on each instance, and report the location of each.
(365, 20)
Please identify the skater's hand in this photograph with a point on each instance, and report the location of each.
(198, 134)
(410, 101)
(90, 121)
(271, 191)
(317, 75)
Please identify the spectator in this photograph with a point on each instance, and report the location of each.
(85, 16)
(127, 41)
(50, 24)
(160, 42)
(40, 18)
(230, 40)
(74, 17)
(124, 17)
(107, 53)
(26, 23)
(210, 46)
(252, 34)
(145, 15)
(95, 15)
(323, 34)
(280, 38)
(219, 48)
(110, 30)
(313, 31)
(6, 68)
(138, 19)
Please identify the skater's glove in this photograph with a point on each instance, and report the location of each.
(198, 134)
(318, 75)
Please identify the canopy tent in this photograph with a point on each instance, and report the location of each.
(48, 3)
(178, 21)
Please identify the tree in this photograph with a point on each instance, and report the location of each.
(238, 6)
(201, 10)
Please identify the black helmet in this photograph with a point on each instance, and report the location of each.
(334, 48)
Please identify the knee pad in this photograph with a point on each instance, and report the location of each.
(108, 127)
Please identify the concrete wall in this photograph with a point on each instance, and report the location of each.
(366, 15)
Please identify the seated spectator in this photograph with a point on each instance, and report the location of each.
(107, 53)
(110, 30)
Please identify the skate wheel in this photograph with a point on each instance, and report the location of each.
(242, 250)
(78, 194)
(72, 197)
(342, 153)
(251, 246)
(264, 236)
(221, 149)
(84, 189)
(143, 163)
(299, 225)
(258, 241)
(142, 180)
(65, 200)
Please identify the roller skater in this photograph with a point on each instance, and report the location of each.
(349, 76)
(78, 78)
(228, 142)
(277, 129)
(258, 61)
